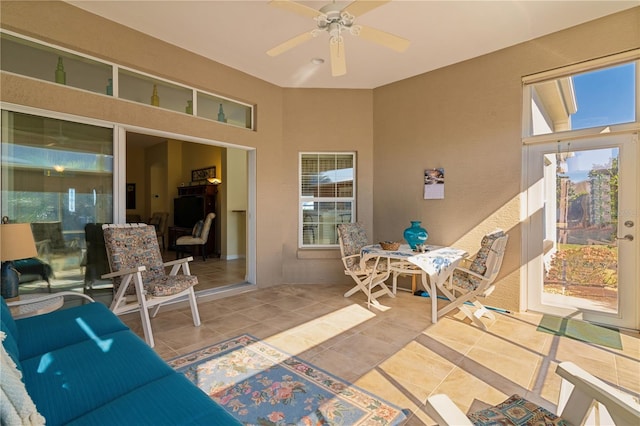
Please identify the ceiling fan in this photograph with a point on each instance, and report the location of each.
(336, 20)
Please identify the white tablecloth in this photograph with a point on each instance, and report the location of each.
(437, 264)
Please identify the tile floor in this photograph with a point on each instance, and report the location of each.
(396, 352)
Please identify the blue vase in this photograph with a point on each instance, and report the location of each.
(415, 234)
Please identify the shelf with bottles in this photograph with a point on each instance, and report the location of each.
(31, 59)
(224, 110)
(148, 90)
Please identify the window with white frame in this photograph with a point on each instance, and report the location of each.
(327, 196)
(588, 96)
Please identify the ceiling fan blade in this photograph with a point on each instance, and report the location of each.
(290, 44)
(360, 7)
(294, 7)
(391, 41)
(338, 60)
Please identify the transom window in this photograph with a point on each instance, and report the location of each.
(593, 98)
(327, 196)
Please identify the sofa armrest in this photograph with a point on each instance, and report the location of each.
(48, 296)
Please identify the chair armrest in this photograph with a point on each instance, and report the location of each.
(178, 261)
(351, 255)
(441, 409)
(123, 272)
(579, 389)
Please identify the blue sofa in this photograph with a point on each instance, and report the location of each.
(82, 365)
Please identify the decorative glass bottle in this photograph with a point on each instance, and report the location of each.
(155, 99)
(61, 75)
(221, 116)
(415, 234)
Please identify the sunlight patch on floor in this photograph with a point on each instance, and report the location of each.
(313, 333)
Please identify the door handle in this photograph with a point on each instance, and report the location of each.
(627, 237)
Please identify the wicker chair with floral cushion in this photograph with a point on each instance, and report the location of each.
(352, 237)
(475, 280)
(135, 261)
(584, 399)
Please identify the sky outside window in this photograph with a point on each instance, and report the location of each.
(605, 97)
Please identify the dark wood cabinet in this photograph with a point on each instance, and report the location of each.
(193, 204)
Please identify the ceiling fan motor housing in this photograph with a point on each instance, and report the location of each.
(334, 20)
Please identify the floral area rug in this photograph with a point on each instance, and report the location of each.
(261, 385)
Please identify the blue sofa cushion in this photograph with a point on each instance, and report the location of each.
(171, 400)
(69, 382)
(65, 327)
(8, 326)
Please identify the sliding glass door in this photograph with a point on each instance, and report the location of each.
(58, 176)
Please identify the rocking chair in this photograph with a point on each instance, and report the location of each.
(367, 275)
(476, 280)
(134, 255)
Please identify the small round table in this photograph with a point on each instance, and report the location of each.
(37, 307)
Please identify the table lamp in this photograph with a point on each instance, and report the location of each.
(16, 242)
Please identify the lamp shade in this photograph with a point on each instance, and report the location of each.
(16, 242)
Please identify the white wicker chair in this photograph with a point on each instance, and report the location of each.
(134, 255)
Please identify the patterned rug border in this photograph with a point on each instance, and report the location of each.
(351, 393)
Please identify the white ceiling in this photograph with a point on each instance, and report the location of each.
(238, 33)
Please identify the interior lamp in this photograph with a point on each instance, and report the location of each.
(214, 181)
(16, 242)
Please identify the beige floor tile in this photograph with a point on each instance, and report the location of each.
(464, 387)
(628, 370)
(506, 360)
(418, 365)
(521, 333)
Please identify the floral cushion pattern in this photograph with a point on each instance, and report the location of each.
(354, 237)
(170, 284)
(479, 265)
(516, 411)
(132, 246)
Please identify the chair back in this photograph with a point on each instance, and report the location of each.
(486, 263)
(97, 262)
(494, 258)
(132, 245)
(159, 220)
(51, 231)
(352, 237)
(206, 227)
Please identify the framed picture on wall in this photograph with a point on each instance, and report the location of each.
(131, 196)
(198, 175)
(434, 184)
